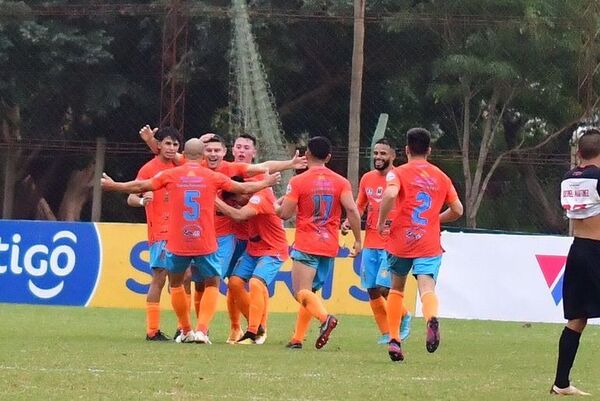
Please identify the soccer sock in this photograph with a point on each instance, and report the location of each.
(265, 315)
(232, 310)
(313, 304)
(394, 313)
(237, 286)
(180, 306)
(302, 324)
(567, 349)
(197, 299)
(208, 307)
(188, 298)
(378, 306)
(257, 304)
(152, 318)
(404, 308)
(430, 305)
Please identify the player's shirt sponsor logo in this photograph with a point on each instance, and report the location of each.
(51, 263)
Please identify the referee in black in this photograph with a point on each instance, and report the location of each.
(580, 197)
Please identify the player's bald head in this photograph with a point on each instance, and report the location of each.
(193, 149)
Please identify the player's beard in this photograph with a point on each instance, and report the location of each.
(383, 166)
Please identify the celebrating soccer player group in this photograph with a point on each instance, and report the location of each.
(211, 220)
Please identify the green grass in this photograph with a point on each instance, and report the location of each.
(56, 353)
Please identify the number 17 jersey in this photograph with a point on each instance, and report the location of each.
(317, 192)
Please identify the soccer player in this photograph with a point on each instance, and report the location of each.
(157, 220)
(580, 198)
(317, 197)
(266, 252)
(375, 276)
(421, 190)
(214, 152)
(191, 236)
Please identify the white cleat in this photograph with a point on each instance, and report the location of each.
(260, 339)
(201, 338)
(571, 390)
(186, 337)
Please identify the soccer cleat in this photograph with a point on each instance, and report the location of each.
(188, 337)
(326, 329)
(293, 345)
(395, 351)
(158, 336)
(571, 390)
(247, 339)
(433, 334)
(201, 338)
(177, 333)
(384, 339)
(234, 336)
(405, 326)
(261, 335)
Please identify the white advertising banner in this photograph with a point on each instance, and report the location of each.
(502, 277)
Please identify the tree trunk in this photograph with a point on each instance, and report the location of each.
(356, 93)
(78, 192)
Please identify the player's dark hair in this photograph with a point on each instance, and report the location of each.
(216, 139)
(248, 136)
(320, 147)
(589, 144)
(418, 141)
(388, 142)
(225, 195)
(166, 132)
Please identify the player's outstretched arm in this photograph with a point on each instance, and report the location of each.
(386, 206)
(130, 187)
(242, 214)
(353, 219)
(147, 135)
(296, 163)
(453, 213)
(252, 187)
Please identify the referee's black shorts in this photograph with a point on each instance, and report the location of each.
(581, 286)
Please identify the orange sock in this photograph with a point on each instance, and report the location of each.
(313, 304)
(197, 299)
(265, 316)
(152, 318)
(378, 306)
(188, 298)
(237, 287)
(394, 313)
(257, 304)
(180, 306)
(302, 324)
(233, 310)
(208, 307)
(430, 305)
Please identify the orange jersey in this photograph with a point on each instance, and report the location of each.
(424, 189)
(192, 191)
(157, 211)
(240, 230)
(223, 224)
(370, 193)
(317, 192)
(265, 230)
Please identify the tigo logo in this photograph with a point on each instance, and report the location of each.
(552, 267)
(48, 263)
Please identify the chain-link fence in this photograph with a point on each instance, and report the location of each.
(495, 80)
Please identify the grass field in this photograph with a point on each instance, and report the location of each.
(99, 354)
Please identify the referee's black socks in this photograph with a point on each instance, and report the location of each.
(567, 349)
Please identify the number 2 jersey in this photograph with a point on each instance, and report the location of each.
(579, 192)
(318, 192)
(424, 189)
(192, 191)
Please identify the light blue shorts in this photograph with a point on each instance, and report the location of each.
(202, 266)
(240, 248)
(428, 265)
(322, 264)
(374, 271)
(158, 259)
(226, 247)
(264, 267)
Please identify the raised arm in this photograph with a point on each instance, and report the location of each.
(353, 219)
(453, 213)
